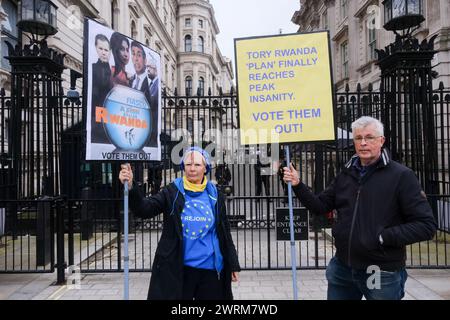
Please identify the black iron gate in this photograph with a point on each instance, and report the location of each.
(92, 208)
(48, 191)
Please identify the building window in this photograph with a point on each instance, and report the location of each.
(5, 133)
(133, 30)
(344, 9)
(157, 5)
(187, 22)
(173, 80)
(325, 20)
(9, 30)
(190, 125)
(372, 41)
(188, 43)
(202, 125)
(344, 59)
(201, 44)
(106, 173)
(188, 85)
(200, 23)
(201, 86)
(166, 73)
(114, 15)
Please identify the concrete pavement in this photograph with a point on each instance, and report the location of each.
(253, 285)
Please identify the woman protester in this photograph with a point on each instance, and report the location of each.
(195, 257)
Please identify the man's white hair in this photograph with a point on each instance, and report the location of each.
(367, 121)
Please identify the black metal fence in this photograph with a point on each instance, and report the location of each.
(92, 210)
(33, 238)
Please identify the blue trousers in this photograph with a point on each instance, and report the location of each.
(345, 283)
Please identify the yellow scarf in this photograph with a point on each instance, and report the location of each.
(194, 187)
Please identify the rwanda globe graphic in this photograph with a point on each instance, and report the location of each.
(128, 118)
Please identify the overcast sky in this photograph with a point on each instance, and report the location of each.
(247, 18)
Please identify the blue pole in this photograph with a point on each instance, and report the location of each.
(125, 229)
(291, 226)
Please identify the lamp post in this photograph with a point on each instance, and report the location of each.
(37, 110)
(38, 17)
(402, 15)
(407, 92)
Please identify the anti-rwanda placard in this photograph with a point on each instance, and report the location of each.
(123, 97)
(285, 88)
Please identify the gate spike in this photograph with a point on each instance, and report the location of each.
(10, 49)
(431, 42)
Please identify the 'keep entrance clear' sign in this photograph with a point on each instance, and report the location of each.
(301, 224)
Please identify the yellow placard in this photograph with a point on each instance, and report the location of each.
(285, 88)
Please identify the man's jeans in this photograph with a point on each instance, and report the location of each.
(345, 283)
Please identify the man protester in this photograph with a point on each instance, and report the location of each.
(381, 209)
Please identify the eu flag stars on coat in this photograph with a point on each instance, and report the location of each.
(200, 242)
(197, 218)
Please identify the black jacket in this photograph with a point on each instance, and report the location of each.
(102, 85)
(388, 200)
(167, 271)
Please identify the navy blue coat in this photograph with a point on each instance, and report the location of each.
(387, 201)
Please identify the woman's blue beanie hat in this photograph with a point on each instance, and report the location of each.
(203, 152)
